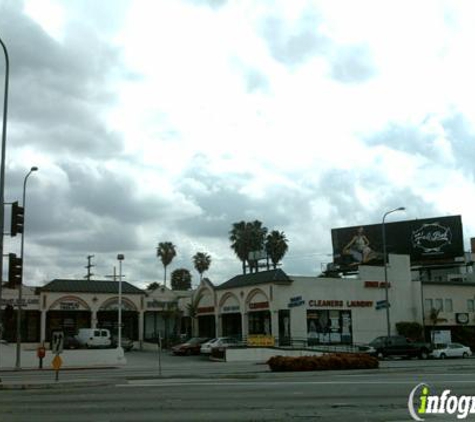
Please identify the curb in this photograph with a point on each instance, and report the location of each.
(50, 385)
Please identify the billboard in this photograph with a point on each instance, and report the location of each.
(427, 241)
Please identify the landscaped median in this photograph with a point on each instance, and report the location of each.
(327, 362)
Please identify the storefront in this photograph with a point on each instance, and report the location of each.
(231, 317)
(107, 317)
(30, 317)
(310, 310)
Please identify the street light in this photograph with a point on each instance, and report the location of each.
(20, 286)
(2, 172)
(120, 258)
(388, 323)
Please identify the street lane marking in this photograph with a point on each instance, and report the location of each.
(168, 383)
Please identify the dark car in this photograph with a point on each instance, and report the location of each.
(71, 342)
(399, 346)
(189, 347)
(127, 343)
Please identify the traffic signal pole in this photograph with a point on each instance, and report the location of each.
(2, 175)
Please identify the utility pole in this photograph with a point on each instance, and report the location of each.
(88, 267)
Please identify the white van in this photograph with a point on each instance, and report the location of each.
(94, 337)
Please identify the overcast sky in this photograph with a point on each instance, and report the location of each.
(168, 120)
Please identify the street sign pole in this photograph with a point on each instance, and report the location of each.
(159, 354)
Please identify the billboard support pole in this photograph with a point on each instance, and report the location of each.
(385, 257)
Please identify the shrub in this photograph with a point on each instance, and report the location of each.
(411, 330)
(322, 363)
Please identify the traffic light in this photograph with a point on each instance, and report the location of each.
(18, 217)
(14, 270)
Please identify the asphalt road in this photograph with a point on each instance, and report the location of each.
(198, 390)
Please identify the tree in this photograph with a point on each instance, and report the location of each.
(276, 246)
(201, 261)
(192, 309)
(166, 251)
(152, 286)
(181, 279)
(247, 237)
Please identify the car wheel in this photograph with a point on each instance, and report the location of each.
(465, 355)
(443, 356)
(424, 355)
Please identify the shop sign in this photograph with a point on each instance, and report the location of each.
(296, 301)
(158, 304)
(340, 303)
(376, 284)
(24, 302)
(69, 305)
(205, 310)
(259, 305)
(259, 340)
(229, 309)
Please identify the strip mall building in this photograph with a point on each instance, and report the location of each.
(307, 309)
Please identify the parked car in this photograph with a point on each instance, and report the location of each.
(71, 342)
(127, 343)
(94, 337)
(218, 342)
(399, 346)
(451, 350)
(189, 347)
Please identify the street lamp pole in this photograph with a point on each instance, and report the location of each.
(20, 286)
(2, 173)
(120, 257)
(385, 257)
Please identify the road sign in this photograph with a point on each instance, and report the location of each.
(382, 304)
(57, 342)
(57, 362)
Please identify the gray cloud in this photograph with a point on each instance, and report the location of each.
(455, 130)
(57, 87)
(352, 64)
(294, 45)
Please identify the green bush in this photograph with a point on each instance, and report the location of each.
(410, 330)
(322, 363)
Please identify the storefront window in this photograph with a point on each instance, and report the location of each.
(259, 323)
(329, 326)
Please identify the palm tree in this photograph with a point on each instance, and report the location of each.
(192, 309)
(247, 237)
(201, 261)
(166, 251)
(276, 246)
(181, 279)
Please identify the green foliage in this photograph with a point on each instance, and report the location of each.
(247, 237)
(166, 251)
(465, 335)
(410, 330)
(181, 279)
(202, 262)
(276, 246)
(322, 363)
(152, 286)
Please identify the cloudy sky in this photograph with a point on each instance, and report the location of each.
(169, 120)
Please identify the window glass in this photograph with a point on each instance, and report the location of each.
(439, 304)
(470, 305)
(104, 333)
(97, 333)
(429, 304)
(448, 305)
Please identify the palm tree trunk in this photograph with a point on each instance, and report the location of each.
(165, 276)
